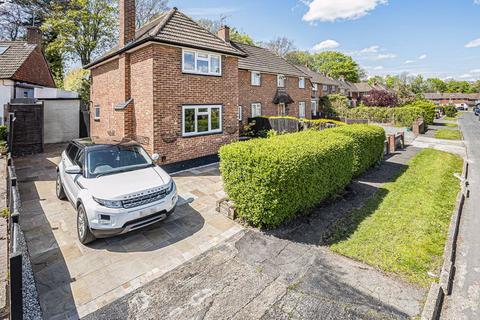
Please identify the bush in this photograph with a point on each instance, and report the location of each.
(450, 111)
(3, 133)
(368, 145)
(427, 106)
(380, 98)
(334, 105)
(403, 116)
(271, 180)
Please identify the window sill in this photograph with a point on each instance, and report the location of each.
(193, 135)
(201, 74)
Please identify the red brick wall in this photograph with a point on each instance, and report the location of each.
(35, 70)
(265, 93)
(172, 89)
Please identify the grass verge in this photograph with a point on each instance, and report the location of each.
(403, 228)
(451, 125)
(448, 134)
(450, 118)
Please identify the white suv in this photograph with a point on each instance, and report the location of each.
(115, 188)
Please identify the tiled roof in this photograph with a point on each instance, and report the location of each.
(174, 27)
(316, 77)
(455, 95)
(362, 87)
(263, 60)
(13, 58)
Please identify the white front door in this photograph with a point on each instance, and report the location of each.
(301, 109)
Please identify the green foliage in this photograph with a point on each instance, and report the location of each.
(436, 85)
(238, 36)
(271, 180)
(3, 133)
(77, 80)
(403, 228)
(85, 28)
(331, 63)
(450, 110)
(403, 116)
(427, 106)
(334, 105)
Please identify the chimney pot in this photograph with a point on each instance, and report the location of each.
(127, 22)
(34, 36)
(224, 33)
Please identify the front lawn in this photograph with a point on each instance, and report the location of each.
(403, 228)
(448, 134)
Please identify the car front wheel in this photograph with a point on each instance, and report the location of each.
(59, 188)
(83, 229)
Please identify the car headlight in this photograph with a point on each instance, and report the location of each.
(109, 203)
(171, 186)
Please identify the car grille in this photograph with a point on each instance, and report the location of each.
(140, 201)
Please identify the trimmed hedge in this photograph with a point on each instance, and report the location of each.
(271, 180)
(368, 145)
(427, 106)
(403, 116)
(3, 133)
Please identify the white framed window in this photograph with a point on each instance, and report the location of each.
(256, 78)
(301, 109)
(280, 80)
(334, 88)
(256, 110)
(240, 113)
(314, 107)
(301, 83)
(315, 87)
(200, 119)
(96, 112)
(200, 62)
(325, 87)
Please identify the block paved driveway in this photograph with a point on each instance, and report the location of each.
(75, 280)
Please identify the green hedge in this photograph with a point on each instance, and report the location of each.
(368, 145)
(427, 106)
(271, 180)
(450, 110)
(3, 133)
(403, 116)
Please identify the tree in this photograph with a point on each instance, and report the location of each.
(337, 65)
(281, 46)
(303, 58)
(418, 85)
(147, 10)
(380, 98)
(85, 29)
(376, 80)
(436, 85)
(459, 86)
(237, 36)
(77, 80)
(476, 86)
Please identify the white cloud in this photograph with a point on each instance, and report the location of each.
(422, 57)
(372, 49)
(383, 56)
(409, 61)
(331, 10)
(466, 76)
(324, 45)
(473, 43)
(475, 70)
(378, 68)
(476, 1)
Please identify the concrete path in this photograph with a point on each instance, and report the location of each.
(464, 303)
(288, 273)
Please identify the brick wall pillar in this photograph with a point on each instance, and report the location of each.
(391, 143)
(127, 115)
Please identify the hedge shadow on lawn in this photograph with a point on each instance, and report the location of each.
(338, 217)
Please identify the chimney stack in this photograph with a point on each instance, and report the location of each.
(127, 22)
(34, 36)
(224, 33)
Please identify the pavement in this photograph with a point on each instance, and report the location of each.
(74, 280)
(464, 303)
(286, 273)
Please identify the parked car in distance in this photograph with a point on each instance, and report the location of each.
(476, 110)
(116, 187)
(461, 106)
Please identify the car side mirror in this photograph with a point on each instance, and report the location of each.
(73, 170)
(155, 157)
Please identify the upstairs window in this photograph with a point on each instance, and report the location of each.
(280, 81)
(301, 83)
(325, 87)
(256, 78)
(334, 88)
(315, 87)
(201, 63)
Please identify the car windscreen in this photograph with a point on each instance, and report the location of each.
(112, 159)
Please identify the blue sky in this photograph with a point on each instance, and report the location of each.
(438, 38)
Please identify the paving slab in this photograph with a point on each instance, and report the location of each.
(74, 280)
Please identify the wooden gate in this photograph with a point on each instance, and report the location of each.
(25, 127)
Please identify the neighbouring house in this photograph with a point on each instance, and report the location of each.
(270, 86)
(470, 99)
(362, 89)
(23, 68)
(171, 85)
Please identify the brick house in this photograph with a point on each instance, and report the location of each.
(470, 99)
(171, 85)
(270, 86)
(23, 68)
